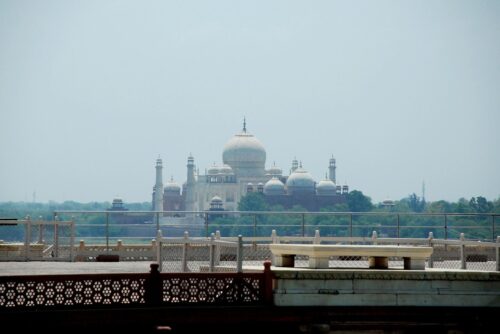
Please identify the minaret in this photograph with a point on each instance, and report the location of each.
(190, 184)
(295, 165)
(331, 168)
(158, 197)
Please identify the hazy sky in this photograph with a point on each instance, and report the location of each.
(91, 92)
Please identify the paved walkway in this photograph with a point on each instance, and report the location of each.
(58, 268)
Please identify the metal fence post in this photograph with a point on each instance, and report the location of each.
(107, 232)
(185, 246)
(206, 224)
(350, 227)
(445, 228)
(239, 255)
(158, 250)
(27, 238)
(71, 239)
(56, 237)
(303, 224)
(398, 227)
(40, 230)
(157, 221)
(254, 225)
(463, 264)
(493, 227)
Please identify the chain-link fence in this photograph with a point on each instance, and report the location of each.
(198, 254)
(43, 241)
(223, 254)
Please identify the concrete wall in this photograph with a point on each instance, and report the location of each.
(296, 287)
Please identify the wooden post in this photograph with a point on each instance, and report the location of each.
(154, 293)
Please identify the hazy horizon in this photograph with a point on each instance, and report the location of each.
(92, 92)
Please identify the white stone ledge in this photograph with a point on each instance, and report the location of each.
(414, 257)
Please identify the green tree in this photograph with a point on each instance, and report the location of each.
(415, 203)
(480, 204)
(253, 202)
(358, 202)
(439, 207)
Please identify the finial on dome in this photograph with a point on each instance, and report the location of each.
(171, 178)
(300, 165)
(244, 124)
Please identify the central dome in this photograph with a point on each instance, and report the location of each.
(245, 154)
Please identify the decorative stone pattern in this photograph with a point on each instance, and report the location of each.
(60, 291)
(212, 290)
(34, 292)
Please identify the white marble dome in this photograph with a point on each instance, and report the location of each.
(245, 154)
(326, 187)
(274, 187)
(300, 181)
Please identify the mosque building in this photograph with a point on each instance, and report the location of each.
(242, 171)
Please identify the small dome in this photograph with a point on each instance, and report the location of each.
(300, 178)
(326, 187)
(213, 170)
(225, 169)
(172, 187)
(274, 171)
(300, 181)
(274, 187)
(216, 199)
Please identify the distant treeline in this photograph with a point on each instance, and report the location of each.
(45, 211)
(405, 224)
(356, 202)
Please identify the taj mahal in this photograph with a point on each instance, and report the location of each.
(243, 170)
